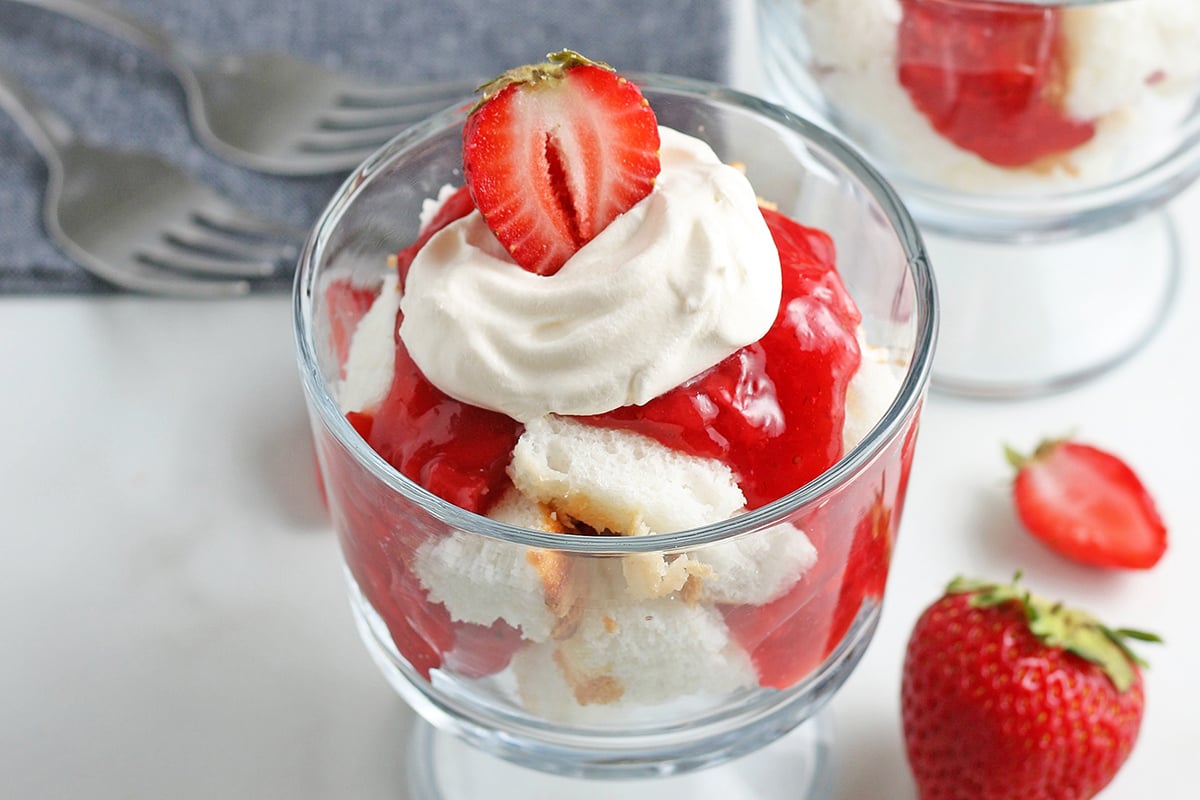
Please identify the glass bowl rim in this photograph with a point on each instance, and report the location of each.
(903, 407)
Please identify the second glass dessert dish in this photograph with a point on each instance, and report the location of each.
(660, 592)
(1035, 142)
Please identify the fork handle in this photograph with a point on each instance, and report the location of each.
(117, 23)
(48, 132)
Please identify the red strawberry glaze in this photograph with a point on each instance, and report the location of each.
(990, 77)
(455, 450)
(378, 548)
(347, 304)
(853, 533)
(456, 206)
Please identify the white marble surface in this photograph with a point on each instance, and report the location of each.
(171, 601)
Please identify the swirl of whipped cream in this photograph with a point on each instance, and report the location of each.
(679, 282)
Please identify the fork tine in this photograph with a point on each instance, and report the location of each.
(343, 143)
(363, 118)
(163, 282)
(237, 221)
(379, 95)
(172, 257)
(218, 242)
(324, 156)
(366, 116)
(151, 279)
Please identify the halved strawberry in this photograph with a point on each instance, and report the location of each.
(554, 152)
(1088, 505)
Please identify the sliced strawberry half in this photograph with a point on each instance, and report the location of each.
(1088, 505)
(554, 152)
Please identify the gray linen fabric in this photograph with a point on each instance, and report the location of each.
(118, 95)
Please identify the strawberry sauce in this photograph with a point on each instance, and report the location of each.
(773, 411)
(990, 77)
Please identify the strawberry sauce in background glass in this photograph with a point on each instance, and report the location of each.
(476, 735)
(1035, 142)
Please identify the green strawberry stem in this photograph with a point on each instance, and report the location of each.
(1017, 459)
(552, 69)
(1064, 628)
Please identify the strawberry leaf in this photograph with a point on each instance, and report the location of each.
(1065, 628)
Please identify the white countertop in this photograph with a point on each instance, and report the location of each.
(171, 597)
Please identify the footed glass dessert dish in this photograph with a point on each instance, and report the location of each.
(545, 655)
(1035, 142)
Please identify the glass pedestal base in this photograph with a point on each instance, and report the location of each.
(1029, 318)
(796, 767)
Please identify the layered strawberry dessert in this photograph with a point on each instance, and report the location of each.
(987, 95)
(604, 332)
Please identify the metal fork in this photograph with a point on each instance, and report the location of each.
(272, 112)
(139, 222)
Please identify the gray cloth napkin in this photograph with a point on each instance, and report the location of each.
(118, 95)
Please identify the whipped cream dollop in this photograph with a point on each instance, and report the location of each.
(679, 282)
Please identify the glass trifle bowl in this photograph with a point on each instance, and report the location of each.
(544, 654)
(1035, 142)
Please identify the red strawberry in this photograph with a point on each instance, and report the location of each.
(1006, 696)
(554, 152)
(990, 77)
(1088, 505)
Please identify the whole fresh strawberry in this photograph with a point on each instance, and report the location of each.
(554, 152)
(1006, 696)
(1088, 505)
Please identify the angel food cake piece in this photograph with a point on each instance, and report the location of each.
(565, 353)
(1003, 96)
